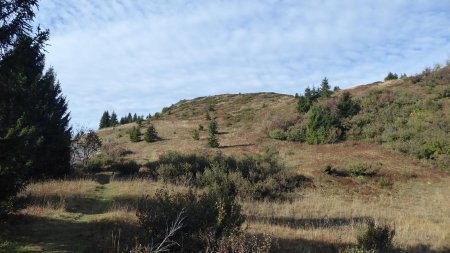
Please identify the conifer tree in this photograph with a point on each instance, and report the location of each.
(325, 91)
(34, 120)
(303, 104)
(129, 118)
(346, 106)
(105, 120)
(135, 134)
(212, 138)
(151, 135)
(113, 121)
(135, 118)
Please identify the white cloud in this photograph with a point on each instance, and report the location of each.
(139, 56)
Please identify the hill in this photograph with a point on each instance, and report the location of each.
(390, 167)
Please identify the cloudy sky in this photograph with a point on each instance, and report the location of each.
(141, 55)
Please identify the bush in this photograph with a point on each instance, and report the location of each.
(376, 238)
(277, 134)
(296, 133)
(207, 218)
(361, 169)
(125, 167)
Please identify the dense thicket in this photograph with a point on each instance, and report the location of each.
(34, 121)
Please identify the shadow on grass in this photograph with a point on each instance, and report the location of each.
(237, 145)
(311, 223)
(31, 234)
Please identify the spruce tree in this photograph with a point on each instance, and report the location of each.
(135, 134)
(105, 120)
(303, 104)
(325, 91)
(113, 121)
(34, 120)
(212, 130)
(151, 135)
(346, 106)
(129, 118)
(135, 118)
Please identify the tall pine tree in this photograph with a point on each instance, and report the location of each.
(113, 121)
(325, 90)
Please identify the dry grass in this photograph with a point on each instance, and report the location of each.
(61, 188)
(419, 213)
(138, 187)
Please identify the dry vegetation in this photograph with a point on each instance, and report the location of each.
(405, 193)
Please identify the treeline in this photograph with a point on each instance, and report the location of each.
(111, 120)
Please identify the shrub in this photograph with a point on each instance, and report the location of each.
(201, 127)
(277, 134)
(125, 167)
(391, 76)
(361, 169)
(376, 238)
(208, 218)
(296, 133)
(196, 135)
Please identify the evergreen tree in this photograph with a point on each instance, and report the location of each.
(207, 116)
(196, 135)
(212, 130)
(113, 121)
(325, 91)
(135, 118)
(303, 104)
(34, 121)
(391, 76)
(129, 118)
(346, 106)
(135, 134)
(151, 135)
(105, 120)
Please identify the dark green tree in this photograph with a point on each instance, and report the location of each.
(129, 118)
(135, 118)
(150, 134)
(113, 121)
(212, 138)
(303, 104)
(34, 121)
(391, 76)
(325, 91)
(346, 106)
(105, 120)
(135, 134)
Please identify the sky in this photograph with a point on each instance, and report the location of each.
(142, 55)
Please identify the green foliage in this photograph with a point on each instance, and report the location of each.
(135, 134)
(34, 121)
(105, 120)
(391, 76)
(200, 127)
(376, 238)
(213, 142)
(206, 218)
(277, 134)
(362, 169)
(346, 106)
(150, 134)
(125, 167)
(196, 135)
(322, 125)
(296, 133)
(113, 120)
(255, 177)
(303, 104)
(325, 91)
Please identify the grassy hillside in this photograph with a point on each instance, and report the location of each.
(391, 169)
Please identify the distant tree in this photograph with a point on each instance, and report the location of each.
(212, 138)
(303, 104)
(113, 121)
(346, 106)
(212, 128)
(391, 76)
(129, 118)
(402, 76)
(135, 134)
(105, 120)
(135, 118)
(296, 95)
(149, 116)
(325, 91)
(196, 135)
(336, 88)
(85, 144)
(150, 134)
